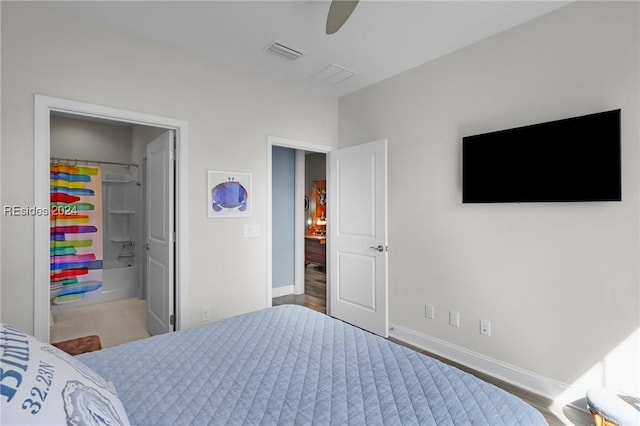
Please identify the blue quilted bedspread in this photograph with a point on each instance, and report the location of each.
(290, 365)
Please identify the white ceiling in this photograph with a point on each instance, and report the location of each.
(380, 39)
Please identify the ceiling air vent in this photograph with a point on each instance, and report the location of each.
(334, 74)
(286, 51)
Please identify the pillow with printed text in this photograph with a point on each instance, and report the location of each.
(41, 385)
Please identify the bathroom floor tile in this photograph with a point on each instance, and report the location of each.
(116, 322)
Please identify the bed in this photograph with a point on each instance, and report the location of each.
(290, 365)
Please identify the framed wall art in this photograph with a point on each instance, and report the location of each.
(228, 194)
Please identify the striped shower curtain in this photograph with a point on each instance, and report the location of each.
(76, 232)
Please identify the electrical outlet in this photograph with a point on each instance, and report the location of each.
(204, 314)
(454, 318)
(429, 311)
(485, 327)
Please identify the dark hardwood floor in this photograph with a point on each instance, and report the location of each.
(315, 298)
(315, 289)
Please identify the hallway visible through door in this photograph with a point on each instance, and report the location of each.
(298, 231)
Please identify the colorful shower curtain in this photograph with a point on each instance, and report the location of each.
(76, 232)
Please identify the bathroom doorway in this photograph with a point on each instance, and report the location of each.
(48, 107)
(113, 304)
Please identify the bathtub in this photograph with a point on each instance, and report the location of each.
(120, 281)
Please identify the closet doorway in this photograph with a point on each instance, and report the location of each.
(297, 255)
(129, 255)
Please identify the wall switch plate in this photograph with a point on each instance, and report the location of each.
(204, 314)
(485, 327)
(429, 311)
(454, 318)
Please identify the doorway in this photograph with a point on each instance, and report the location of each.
(293, 290)
(44, 108)
(289, 167)
(357, 261)
(103, 294)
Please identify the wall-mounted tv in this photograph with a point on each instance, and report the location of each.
(574, 159)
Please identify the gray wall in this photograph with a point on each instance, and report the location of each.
(558, 281)
(283, 209)
(90, 140)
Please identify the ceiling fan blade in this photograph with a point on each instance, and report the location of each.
(339, 12)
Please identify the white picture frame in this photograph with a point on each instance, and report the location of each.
(228, 194)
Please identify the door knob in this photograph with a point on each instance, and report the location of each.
(379, 248)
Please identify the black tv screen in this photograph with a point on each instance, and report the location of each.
(574, 159)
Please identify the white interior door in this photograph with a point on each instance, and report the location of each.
(358, 236)
(160, 235)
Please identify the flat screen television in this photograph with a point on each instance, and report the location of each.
(574, 159)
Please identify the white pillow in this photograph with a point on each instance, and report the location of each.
(41, 385)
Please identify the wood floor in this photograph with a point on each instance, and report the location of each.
(315, 289)
(315, 298)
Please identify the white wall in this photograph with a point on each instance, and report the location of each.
(559, 282)
(230, 112)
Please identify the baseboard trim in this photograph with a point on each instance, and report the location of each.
(282, 291)
(560, 393)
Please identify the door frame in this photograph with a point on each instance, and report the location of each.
(43, 107)
(299, 212)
